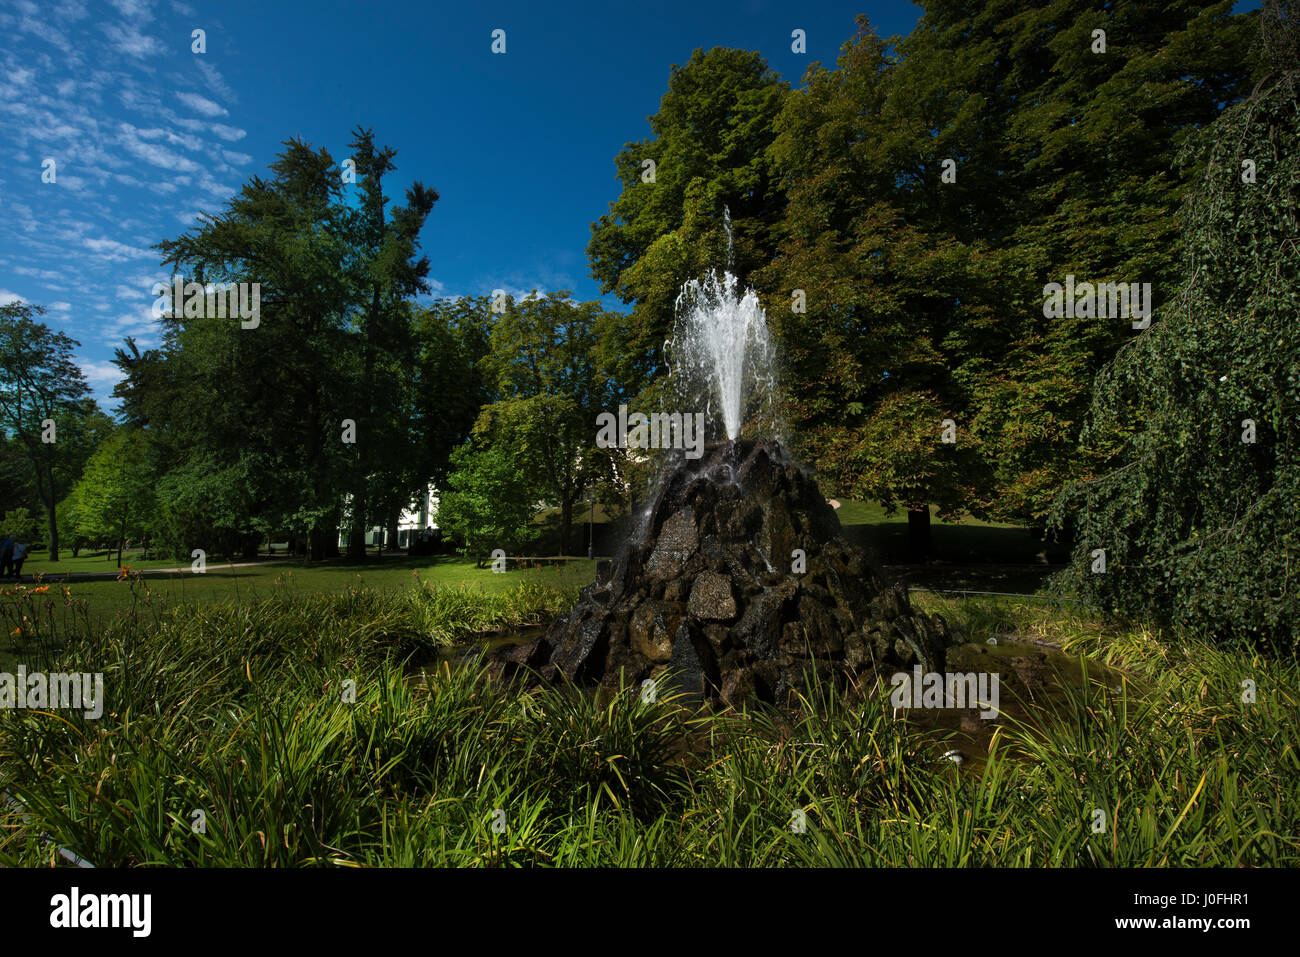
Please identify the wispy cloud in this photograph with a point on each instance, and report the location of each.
(101, 375)
(201, 104)
(131, 41)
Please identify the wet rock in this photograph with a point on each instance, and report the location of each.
(705, 589)
(652, 627)
(711, 598)
(677, 543)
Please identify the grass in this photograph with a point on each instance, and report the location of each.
(241, 711)
(109, 597)
(93, 563)
(962, 540)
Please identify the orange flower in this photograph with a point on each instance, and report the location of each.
(41, 591)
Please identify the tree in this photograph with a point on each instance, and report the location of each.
(488, 502)
(20, 523)
(17, 488)
(937, 182)
(383, 246)
(43, 400)
(448, 380)
(1194, 464)
(708, 145)
(542, 364)
(252, 419)
(115, 500)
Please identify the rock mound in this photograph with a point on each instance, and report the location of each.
(738, 582)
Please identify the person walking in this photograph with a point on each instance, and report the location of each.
(6, 556)
(19, 556)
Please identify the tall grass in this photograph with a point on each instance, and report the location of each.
(244, 712)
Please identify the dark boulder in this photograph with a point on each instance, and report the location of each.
(707, 590)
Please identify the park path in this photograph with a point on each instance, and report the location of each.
(95, 576)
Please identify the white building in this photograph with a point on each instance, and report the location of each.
(419, 517)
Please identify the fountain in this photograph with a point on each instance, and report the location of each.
(720, 350)
(737, 582)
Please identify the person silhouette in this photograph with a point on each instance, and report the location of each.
(6, 556)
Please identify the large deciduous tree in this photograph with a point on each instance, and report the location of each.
(44, 404)
(549, 389)
(1192, 438)
(937, 183)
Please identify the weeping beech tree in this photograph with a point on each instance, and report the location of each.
(1189, 514)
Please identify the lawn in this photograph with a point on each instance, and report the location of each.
(278, 577)
(964, 540)
(955, 543)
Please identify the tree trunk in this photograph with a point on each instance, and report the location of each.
(918, 533)
(316, 543)
(357, 528)
(394, 538)
(566, 524)
(332, 539)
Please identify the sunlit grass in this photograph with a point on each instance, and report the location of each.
(242, 710)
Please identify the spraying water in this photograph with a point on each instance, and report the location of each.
(721, 353)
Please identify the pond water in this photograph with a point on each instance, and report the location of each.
(1033, 679)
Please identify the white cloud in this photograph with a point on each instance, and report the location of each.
(113, 251)
(49, 275)
(102, 376)
(7, 297)
(154, 153)
(201, 104)
(141, 325)
(131, 41)
(230, 134)
(214, 81)
(137, 9)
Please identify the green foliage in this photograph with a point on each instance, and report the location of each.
(42, 384)
(115, 499)
(20, 523)
(1198, 522)
(239, 710)
(709, 143)
(542, 364)
(488, 503)
(249, 421)
(916, 286)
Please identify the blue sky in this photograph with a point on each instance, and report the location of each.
(145, 133)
